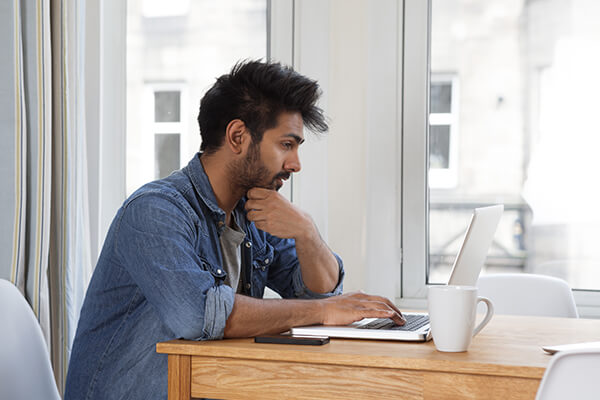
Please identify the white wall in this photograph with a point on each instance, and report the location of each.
(350, 180)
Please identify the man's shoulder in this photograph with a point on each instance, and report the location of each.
(173, 186)
(171, 194)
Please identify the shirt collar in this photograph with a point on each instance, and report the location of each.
(195, 170)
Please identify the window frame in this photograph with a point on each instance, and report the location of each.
(415, 154)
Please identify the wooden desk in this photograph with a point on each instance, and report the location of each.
(505, 361)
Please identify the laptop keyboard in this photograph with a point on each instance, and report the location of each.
(413, 322)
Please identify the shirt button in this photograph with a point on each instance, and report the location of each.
(263, 268)
(219, 271)
(267, 260)
(248, 286)
(248, 244)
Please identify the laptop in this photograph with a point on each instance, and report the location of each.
(465, 271)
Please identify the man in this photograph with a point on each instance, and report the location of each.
(189, 256)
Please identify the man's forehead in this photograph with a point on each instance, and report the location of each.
(290, 125)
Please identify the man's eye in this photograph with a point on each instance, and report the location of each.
(287, 145)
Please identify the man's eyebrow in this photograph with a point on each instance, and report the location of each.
(297, 138)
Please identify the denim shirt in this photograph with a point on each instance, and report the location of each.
(159, 277)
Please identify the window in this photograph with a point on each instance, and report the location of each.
(528, 92)
(175, 50)
(162, 134)
(443, 131)
(167, 145)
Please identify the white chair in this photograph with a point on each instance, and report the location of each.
(528, 294)
(25, 369)
(572, 375)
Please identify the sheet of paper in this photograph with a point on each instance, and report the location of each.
(571, 346)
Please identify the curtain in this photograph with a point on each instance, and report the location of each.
(44, 235)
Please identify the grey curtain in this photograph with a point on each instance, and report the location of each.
(44, 234)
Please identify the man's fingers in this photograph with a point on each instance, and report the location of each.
(380, 304)
(255, 216)
(257, 193)
(398, 319)
(390, 304)
(382, 310)
(363, 296)
(397, 316)
(393, 315)
(253, 205)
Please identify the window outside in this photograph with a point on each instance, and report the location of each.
(175, 50)
(525, 134)
(443, 131)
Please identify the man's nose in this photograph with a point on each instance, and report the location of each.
(293, 163)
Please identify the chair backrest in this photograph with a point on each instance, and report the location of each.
(25, 369)
(572, 375)
(528, 294)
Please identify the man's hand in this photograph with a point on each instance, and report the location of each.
(351, 307)
(273, 213)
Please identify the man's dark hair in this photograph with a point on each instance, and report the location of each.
(257, 93)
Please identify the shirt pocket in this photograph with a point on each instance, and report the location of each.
(263, 258)
(261, 261)
(218, 273)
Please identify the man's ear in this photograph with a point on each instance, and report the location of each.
(236, 136)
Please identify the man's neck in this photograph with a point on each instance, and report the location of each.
(217, 172)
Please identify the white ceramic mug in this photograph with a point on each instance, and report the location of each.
(452, 314)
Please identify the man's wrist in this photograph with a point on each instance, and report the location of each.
(309, 232)
(320, 310)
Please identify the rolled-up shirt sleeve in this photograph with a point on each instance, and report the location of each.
(219, 303)
(285, 275)
(157, 247)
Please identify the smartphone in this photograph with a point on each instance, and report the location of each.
(289, 339)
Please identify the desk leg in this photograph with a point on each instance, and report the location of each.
(180, 386)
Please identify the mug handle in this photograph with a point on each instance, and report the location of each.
(488, 314)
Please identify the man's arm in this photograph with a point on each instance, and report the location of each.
(155, 243)
(253, 317)
(273, 213)
(320, 269)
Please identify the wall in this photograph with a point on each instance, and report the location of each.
(350, 180)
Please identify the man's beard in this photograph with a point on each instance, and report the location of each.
(252, 172)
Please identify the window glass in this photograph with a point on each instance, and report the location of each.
(439, 146)
(166, 106)
(441, 97)
(175, 50)
(166, 154)
(525, 134)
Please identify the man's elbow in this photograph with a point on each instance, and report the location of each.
(189, 330)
